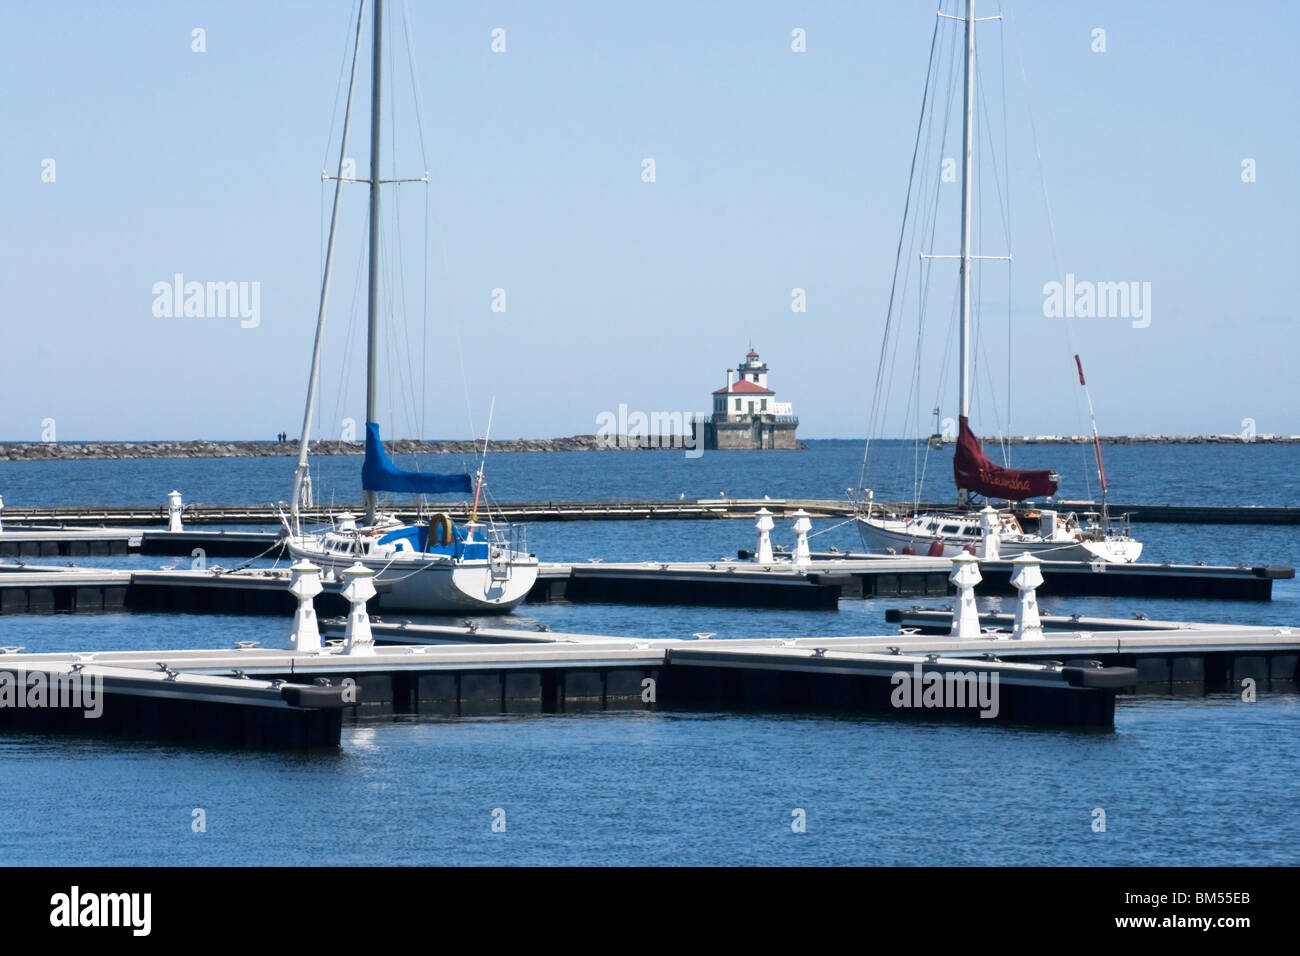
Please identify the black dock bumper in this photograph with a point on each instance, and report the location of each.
(1109, 678)
(157, 702)
(903, 685)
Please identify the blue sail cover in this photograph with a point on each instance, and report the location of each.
(380, 474)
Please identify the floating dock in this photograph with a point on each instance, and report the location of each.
(1169, 656)
(680, 509)
(710, 583)
(267, 697)
(65, 542)
(81, 694)
(49, 590)
(583, 673)
(869, 576)
(823, 583)
(37, 589)
(101, 542)
(1068, 678)
(1144, 514)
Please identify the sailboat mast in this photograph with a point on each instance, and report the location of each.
(968, 137)
(372, 313)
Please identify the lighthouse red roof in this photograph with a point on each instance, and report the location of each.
(751, 354)
(744, 387)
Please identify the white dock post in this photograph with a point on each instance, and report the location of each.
(305, 585)
(1026, 579)
(358, 588)
(802, 525)
(2, 508)
(764, 524)
(990, 547)
(174, 512)
(965, 575)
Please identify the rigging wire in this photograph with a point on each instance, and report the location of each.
(416, 86)
(928, 226)
(902, 233)
(346, 58)
(329, 138)
(1006, 153)
(925, 273)
(1004, 207)
(1051, 225)
(414, 73)
(350, 346)
(401, 388)
(413, 409)
(917, 227)
(941, 387)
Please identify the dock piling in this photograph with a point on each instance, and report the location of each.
(764, 524)
(802, 525)
(174, 509)
(305, 584)
(358, 588)
(990, 546)
(1026, 580)
(965, 575)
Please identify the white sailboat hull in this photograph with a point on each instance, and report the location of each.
(892, 534)
(432, 584)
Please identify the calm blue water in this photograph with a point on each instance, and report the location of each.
(1201, 781)
(1255, 474)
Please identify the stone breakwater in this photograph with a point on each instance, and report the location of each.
(1133, 440)
(67, 451)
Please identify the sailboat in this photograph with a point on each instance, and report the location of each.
(1042, 532)
(431, 566)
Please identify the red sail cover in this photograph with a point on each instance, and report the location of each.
(973, 471)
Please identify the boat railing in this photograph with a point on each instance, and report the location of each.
(1109, 525)
(507, 540)
(1119, 526)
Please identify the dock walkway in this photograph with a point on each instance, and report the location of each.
(821, 585)
(615, 510)
(1068, 677)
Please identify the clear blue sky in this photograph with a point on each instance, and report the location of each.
(775, 170)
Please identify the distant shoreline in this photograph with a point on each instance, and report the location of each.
(110, 450)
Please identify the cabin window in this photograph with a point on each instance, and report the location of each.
(737, 404)
(763, 406)
(950, 529)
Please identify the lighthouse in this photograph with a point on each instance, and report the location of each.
(746, 413)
